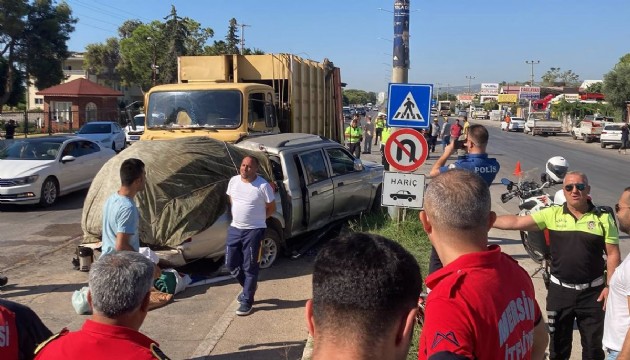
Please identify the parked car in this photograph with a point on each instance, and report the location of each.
(135, 130)
(347, 113)
(105, 133)
(39, 170)
(515, 124)
(611, 135)
(590, 128)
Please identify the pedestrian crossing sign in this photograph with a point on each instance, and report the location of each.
(409, 105)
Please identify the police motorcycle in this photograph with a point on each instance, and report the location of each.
(532, 197)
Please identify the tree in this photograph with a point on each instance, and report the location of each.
(617, 85)
(126, 29)
(139, 53)
(33, 41)
(553, 76)
(231, 39)
(595, 88)
(175, 33)
(355, 96)
(102, 60)
(17, 94)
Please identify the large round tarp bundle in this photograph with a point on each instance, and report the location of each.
(185, 191)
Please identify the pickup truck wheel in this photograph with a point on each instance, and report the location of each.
(573, 136)
(270, 248)
(603, 145)
(587, 139)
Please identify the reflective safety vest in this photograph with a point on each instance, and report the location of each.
(385, 134)
(354, 134)
(379, 123)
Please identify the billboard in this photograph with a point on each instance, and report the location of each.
(508, 98)
(529, 92)
(483, 99)
(572, 97)
(465, 98)
(489, 89)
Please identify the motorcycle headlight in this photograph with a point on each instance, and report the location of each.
(26, 180)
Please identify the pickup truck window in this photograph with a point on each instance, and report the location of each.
(342, 162)
(314, 167)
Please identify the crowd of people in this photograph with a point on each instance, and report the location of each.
(481, 304)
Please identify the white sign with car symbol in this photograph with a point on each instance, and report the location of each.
(403, 190)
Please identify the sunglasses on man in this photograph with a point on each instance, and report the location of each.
(617, 207)
(580, 187)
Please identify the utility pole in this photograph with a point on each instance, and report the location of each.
(532, 63)
(243, 36)
(469, 77)
(531, 82)
(400, 71)
(154, 66)
(437, 97)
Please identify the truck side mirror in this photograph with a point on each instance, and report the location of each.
(270, 116)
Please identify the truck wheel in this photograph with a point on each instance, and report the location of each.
(573, 135)
(376, 203)
(587, 139)
(269, 248)
(602, 145)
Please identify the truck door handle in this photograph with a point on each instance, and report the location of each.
(340, 184)
(314, 193)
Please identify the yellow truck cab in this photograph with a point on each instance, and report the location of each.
(230, 97)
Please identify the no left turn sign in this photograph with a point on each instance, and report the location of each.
(406, 150)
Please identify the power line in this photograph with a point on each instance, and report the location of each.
(96, 19)
(99, 11)
(125, 11)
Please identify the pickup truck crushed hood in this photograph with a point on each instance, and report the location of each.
(185, 192)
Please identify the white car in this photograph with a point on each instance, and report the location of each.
(515, 124)
(39, 170)
(132, 135)
(106, 133)
(611, 135)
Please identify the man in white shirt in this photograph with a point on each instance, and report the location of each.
(617, 322)
(253, 201)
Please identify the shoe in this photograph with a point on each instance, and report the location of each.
(244, 309)
(240, 298)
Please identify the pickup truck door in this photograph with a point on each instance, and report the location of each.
(319, 197)
(352, 194)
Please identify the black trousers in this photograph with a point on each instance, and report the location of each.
(355, 149)
(383, 158)
(378, 135)
(565, 305)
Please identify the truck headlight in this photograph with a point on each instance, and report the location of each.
(25, 180)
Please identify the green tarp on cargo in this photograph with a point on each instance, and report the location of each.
(185, 191)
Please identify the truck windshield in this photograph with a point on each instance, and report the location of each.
(195, 109)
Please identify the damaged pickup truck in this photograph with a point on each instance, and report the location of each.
(184, 211)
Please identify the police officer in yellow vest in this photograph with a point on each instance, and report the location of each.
(379, 124)
(354, 135)
(387, 131)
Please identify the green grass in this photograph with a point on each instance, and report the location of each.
(408, 233)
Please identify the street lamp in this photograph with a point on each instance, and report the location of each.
(469, 78)
(243, 36)
(154, 67)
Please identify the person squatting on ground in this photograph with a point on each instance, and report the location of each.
(252, 201)
(119, 294)
(476, 160)
(579, 235)
(353, 136)
(617, 321)
(368, 131)
(120, 214)
(21, 330)
(482, 304)
(365, 299)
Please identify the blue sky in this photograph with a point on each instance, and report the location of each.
(487, 39)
